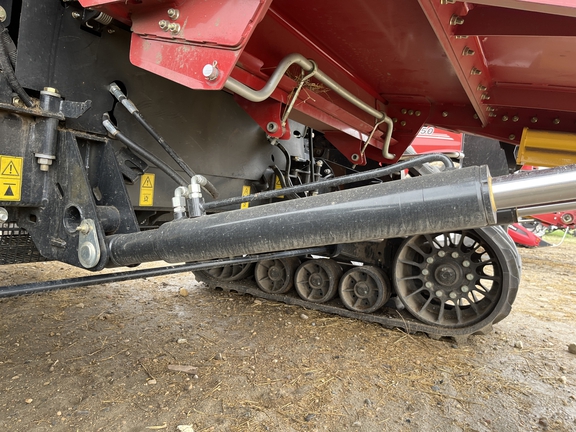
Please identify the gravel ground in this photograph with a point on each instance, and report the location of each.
(101, 358)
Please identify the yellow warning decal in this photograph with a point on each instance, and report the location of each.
(278, 185)
(10, 178)
(147, 190)
(245, 192)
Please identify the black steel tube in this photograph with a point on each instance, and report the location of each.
(98, 279)
(338, 181)
(408, 207)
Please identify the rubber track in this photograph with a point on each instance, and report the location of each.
(394, 318)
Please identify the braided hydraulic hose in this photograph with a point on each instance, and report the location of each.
(7, 61)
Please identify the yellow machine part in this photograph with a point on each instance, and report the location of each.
(546, 149)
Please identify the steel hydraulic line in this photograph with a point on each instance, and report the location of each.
(265, 92)
(132, 109)
(339, 181)
(35, 287)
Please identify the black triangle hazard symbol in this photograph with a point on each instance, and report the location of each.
(147, 183)
(9, 191)
(10, 170)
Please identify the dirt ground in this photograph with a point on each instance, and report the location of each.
(98, 358)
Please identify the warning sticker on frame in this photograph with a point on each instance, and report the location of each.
(10, 178)
(245, 192)
(147, 190)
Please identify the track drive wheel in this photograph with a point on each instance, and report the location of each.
(317, 280)
(364, 289)
(457, 279)
(276, 276)
(229, 273)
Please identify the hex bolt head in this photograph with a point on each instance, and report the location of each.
(465, 263)
(515, 119)
(425, 272)
(417, 113)
(76, 15)
(464, 289)
(455, 255)
(429, 260)
(453, 295)
(475, 71)
(439, 293)
(512, 137)
(534, 119)
(163, 24)
(429, 284)
(456, 20)
(3, 214)
(556, 121)
(445, 114)
(403, 123)
(173, 13)
(470, 276)
(441, 254)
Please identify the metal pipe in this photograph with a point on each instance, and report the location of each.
(265, 92)
(531, 188)
(551, 208)
(338, 181)
(393, 209)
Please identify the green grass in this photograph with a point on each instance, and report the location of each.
(556, 236)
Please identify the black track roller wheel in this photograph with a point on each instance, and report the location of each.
(276, 276)
(364, 289)
(458, 279)
(317, 280)
(229, 273)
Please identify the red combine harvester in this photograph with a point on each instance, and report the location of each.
(260, 141)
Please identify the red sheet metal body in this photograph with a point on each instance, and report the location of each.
(488, 67)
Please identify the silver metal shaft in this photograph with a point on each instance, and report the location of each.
(531, 188)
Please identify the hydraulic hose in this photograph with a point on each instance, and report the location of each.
(132, 109)
(7, 59)
(115, 133)
(338, 181)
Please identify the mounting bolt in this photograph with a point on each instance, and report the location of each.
(475, 71)
(556, 121)
(464, 289)
(504, 118)
(465, 263)
(470, 276)
(3, 214)
(429, 284)
(76, 15)
(456, 20)
(163, 25)
(481, 87)
(439, 293)
(512, 137)
(174, 14)
(83, 228)
(468, 51)
(403, 110)
(485, 96)
(492, 114)
(425, 272)
(211, 72)
(395, 120)
(455, 255)
(515, 119)
(445, 2)
(271, 127)
(445, 114)
(489, 108)
(417, 113)
(475, 116)
(429, 260)
(441, 254)
(411, 112)
(534, 119)
(174, 28)
(402, 123)
(355, 157)
(453, 295)
(3, 15)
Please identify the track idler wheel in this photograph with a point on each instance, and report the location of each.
(364, 289)
(276, 276)
(457, 279)
(229, 273)
(317, 280)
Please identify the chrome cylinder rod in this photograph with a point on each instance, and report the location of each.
(532, 188)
